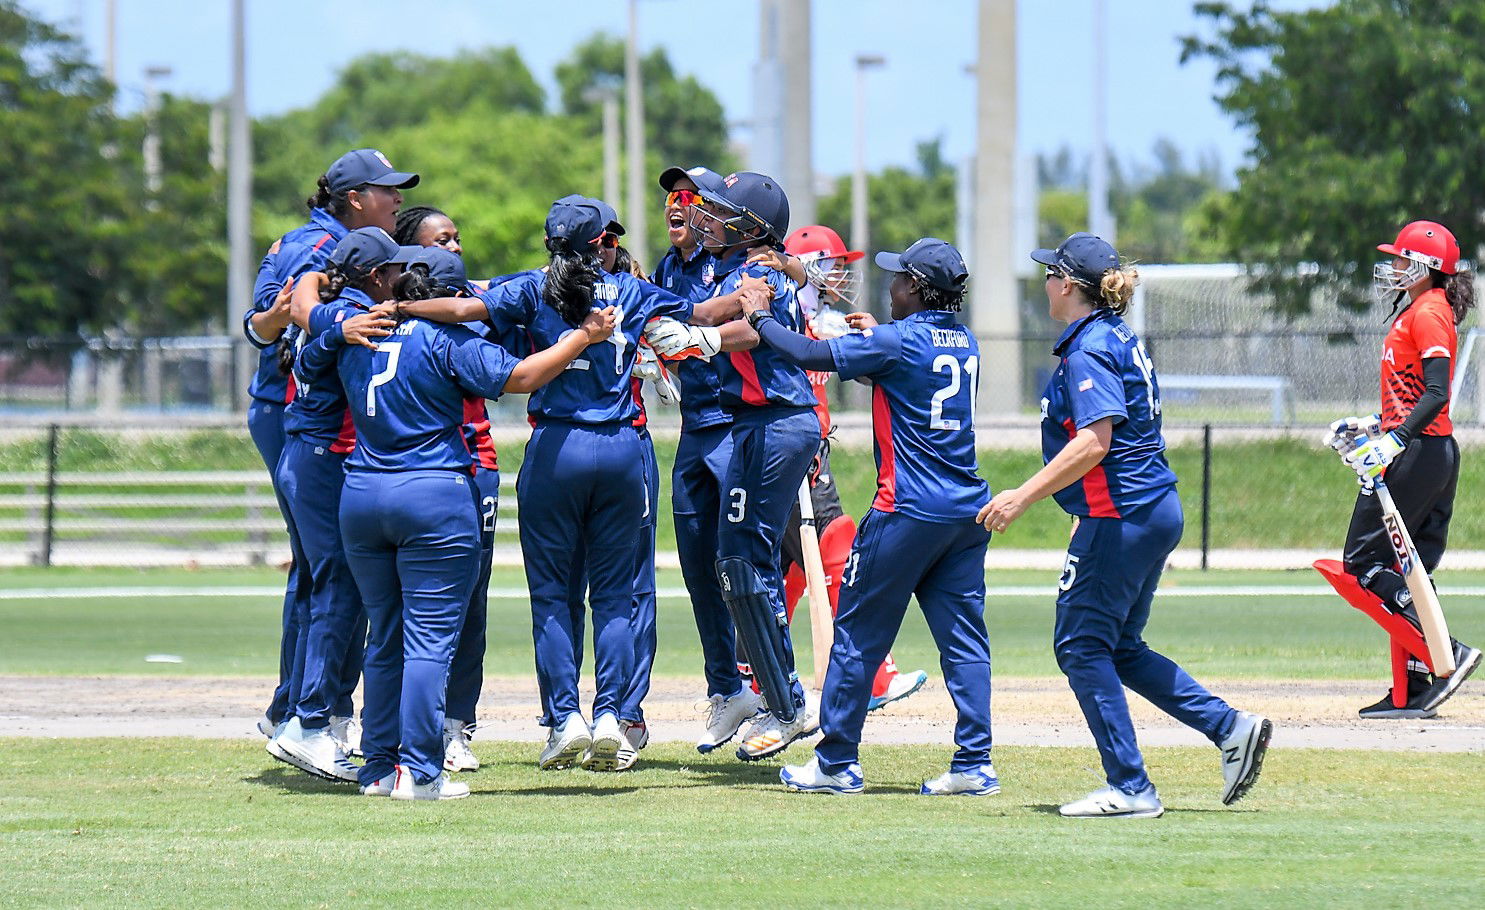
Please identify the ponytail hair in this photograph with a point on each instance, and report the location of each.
(570, 280)
(1459, 290)
(416, 284)
(336, 281)
(336, 204)
(1116, 289)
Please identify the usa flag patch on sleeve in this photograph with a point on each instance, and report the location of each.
(1085, 385)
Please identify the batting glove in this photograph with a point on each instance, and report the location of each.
(1372, 456)
(649, 368)
(675, 340)
(1348, 432)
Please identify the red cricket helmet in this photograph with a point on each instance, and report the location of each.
(1427, 242)
(825, 259)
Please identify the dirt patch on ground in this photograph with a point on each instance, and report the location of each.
(1309, 714)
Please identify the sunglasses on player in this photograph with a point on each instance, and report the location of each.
(683, 198)
(608, 240)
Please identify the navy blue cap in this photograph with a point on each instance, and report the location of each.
(445, 267)
(576, 219)
(610, 216)
(369, 248)
(704, 178)
(930, 259)
(756, 195)
(363, 166)
(1083, 257)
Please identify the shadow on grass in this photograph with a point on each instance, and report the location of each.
(290, 780)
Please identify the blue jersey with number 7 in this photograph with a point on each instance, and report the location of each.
(1105, 372)
(925, 371)
(407, 396)
(595, 388)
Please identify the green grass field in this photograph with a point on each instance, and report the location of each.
(1222, 636)
(219, 824)
(204, 823)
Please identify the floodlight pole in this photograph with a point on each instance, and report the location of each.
(860, 224)
(239, 205)
(634, 219)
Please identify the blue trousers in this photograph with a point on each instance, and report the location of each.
(582, 498)
(772, 449)
(467, 673)
(1113, 566)
(333, 632)
(413, 542)
(266, 427)
(696, 500)
(894, 558)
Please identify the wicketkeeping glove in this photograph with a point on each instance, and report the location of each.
(649, 368)
(1372, 456)
(676, 340)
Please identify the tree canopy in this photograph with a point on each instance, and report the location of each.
(1363, 116)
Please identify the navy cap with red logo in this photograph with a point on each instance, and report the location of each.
(362, 167)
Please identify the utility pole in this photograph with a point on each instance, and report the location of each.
(605, 92)
(239, 206)
(782, 112)
(1100, 219)
(151, 150)
(994, 313)
(634, 219)
(860, 223)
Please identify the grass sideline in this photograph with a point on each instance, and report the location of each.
(1236, 637)
(211, 824)
(1273, 493)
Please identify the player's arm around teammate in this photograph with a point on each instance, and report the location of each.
(411, 523)
(1410, 444)
(920, 536)
(1101, 438)
(360, 188)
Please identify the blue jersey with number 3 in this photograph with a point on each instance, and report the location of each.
(595, 388)
(1105, 372)
(760, 378)
(925, 371)
(407, 396)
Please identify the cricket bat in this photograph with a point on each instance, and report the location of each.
(822, 624)
(1425, 600)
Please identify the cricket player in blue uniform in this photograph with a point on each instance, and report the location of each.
(774, 438)
(411, 523)
(319, 435)
(582, 478)
(360, 189)
(1105, 464)
(920, 537)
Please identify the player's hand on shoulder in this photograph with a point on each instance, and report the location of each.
(600, 324)
(365, 328)
(754, 284)
(756, 300)
(861, 321)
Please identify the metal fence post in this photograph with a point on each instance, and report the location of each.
(51, 495)
(1206, 493)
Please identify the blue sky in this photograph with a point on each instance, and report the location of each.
(295, 49)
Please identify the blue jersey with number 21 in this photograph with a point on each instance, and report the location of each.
(925, 371)
(1105, 372)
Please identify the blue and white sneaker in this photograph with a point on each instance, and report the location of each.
(979, 781)
(810, 779)
(901, 686)
(1112, 803)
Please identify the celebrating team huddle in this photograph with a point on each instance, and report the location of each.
(378, 354)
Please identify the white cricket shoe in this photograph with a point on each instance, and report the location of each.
(382, 787)
(267, 727)
(1242, 755)
(901, 686)
(636, 737)
(808, 778)
(347, 731)
(770, 736)
(608, 739)
(979, 781)
(317, 752)
(457, 756)
(1112, 803)
(567, 742)
(289, 730)
(726, 715)
(439, 787)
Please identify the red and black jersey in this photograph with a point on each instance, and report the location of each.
(1421, 332)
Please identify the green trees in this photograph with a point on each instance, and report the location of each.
(1364, 116)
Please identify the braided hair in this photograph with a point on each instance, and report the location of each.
(336, 280)
(410, 220)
